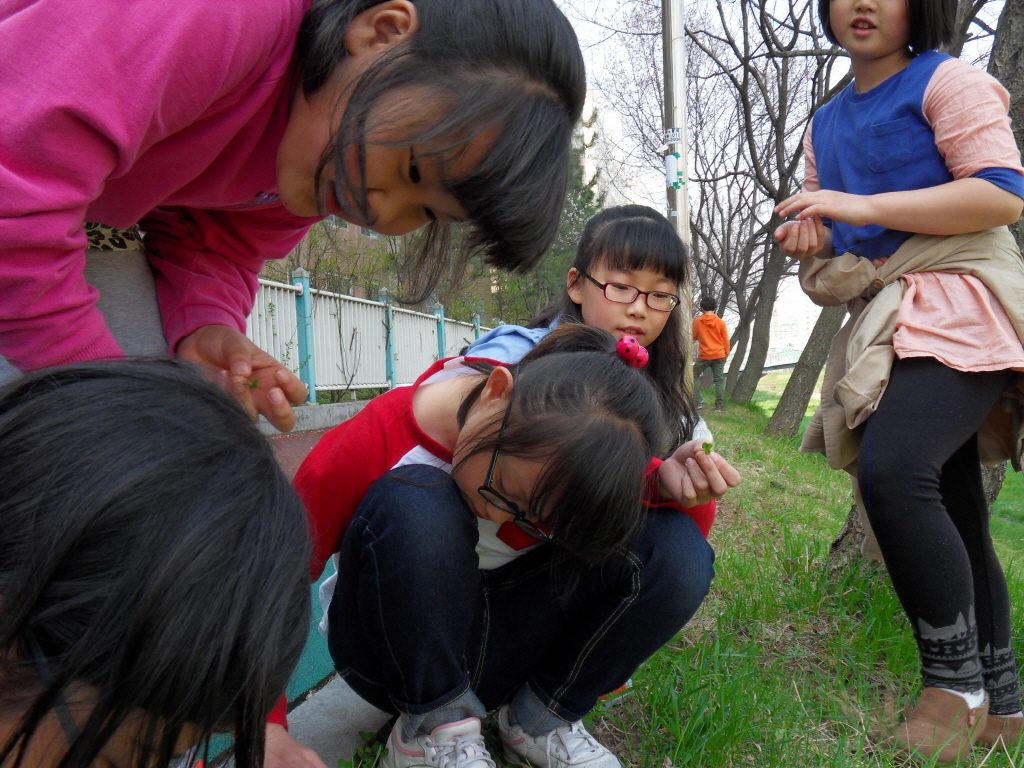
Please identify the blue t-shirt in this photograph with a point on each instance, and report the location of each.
(508, 343)
(880, 141)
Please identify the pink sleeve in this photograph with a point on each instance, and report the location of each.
(87, 87)
(207, 262)
(967, 109)
(54, 156)
(810, 164)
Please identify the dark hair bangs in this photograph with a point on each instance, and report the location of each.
(510, 65)
(932, 23)
(590, 489)
(633, 237)
(639, 243)
(513, 198)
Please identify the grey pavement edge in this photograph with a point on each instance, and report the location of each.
(330, 720)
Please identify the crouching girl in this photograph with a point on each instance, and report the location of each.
(494, 550)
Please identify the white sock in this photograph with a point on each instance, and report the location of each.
(974, 699)
(1018, 713)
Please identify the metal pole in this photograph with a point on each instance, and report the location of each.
(674, 52)
(304, 317)
(389, 336)
(437, 310)
(673, 36)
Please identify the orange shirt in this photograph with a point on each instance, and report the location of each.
(710, 331)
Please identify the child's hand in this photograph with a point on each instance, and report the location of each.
(691, 476)
(857, 210)
(802, 239)
(283, 751)
(258, 381)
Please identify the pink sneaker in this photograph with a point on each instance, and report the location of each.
(455, 745)
(570, 746)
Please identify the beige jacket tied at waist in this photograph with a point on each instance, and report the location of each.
(862, 354)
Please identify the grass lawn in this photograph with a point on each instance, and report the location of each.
(785, 664)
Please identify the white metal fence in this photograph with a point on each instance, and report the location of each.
(272, 323)
(351, 343)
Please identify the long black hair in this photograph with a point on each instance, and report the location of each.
(513, 67)
(596, 422)
(153, 558)
(634, 237)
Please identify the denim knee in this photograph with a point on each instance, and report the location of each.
(420, 514)
(678, 565)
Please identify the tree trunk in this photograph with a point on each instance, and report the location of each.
(992, 479)
(740, 345)
(1006, 64)
(845, 551)
(785, 421)
(760, 338)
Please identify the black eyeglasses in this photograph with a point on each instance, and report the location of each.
(621, 293)
(495, 499)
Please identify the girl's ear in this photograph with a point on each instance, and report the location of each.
(574, 286)
(498, 387)
(381, 27)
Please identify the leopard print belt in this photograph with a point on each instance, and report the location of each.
(104, 238)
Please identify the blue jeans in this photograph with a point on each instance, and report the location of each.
(417, 628)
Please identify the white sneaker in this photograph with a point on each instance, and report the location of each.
(570, 745)
(455, 745)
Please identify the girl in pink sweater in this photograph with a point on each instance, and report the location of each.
(226, 128)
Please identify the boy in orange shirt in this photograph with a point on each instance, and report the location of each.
(710, 332)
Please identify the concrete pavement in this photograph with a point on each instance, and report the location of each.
(329, 722)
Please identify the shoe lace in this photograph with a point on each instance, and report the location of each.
(576, 743)
(462, 752)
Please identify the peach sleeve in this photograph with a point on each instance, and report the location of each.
(967, 109)
(811, 183)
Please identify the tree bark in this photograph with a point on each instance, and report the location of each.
(760, 338)
(992, 479)
(845, 551)
(1006, 64)
(785, 421)
(740, 346)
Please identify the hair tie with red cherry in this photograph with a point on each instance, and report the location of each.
(632, 351)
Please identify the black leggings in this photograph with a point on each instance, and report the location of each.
(920, 477)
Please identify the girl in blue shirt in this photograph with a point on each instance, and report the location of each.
(915, 147)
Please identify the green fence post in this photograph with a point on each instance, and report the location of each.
(389, 338)
(476, 326)
(304, 321)
(437, 310)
